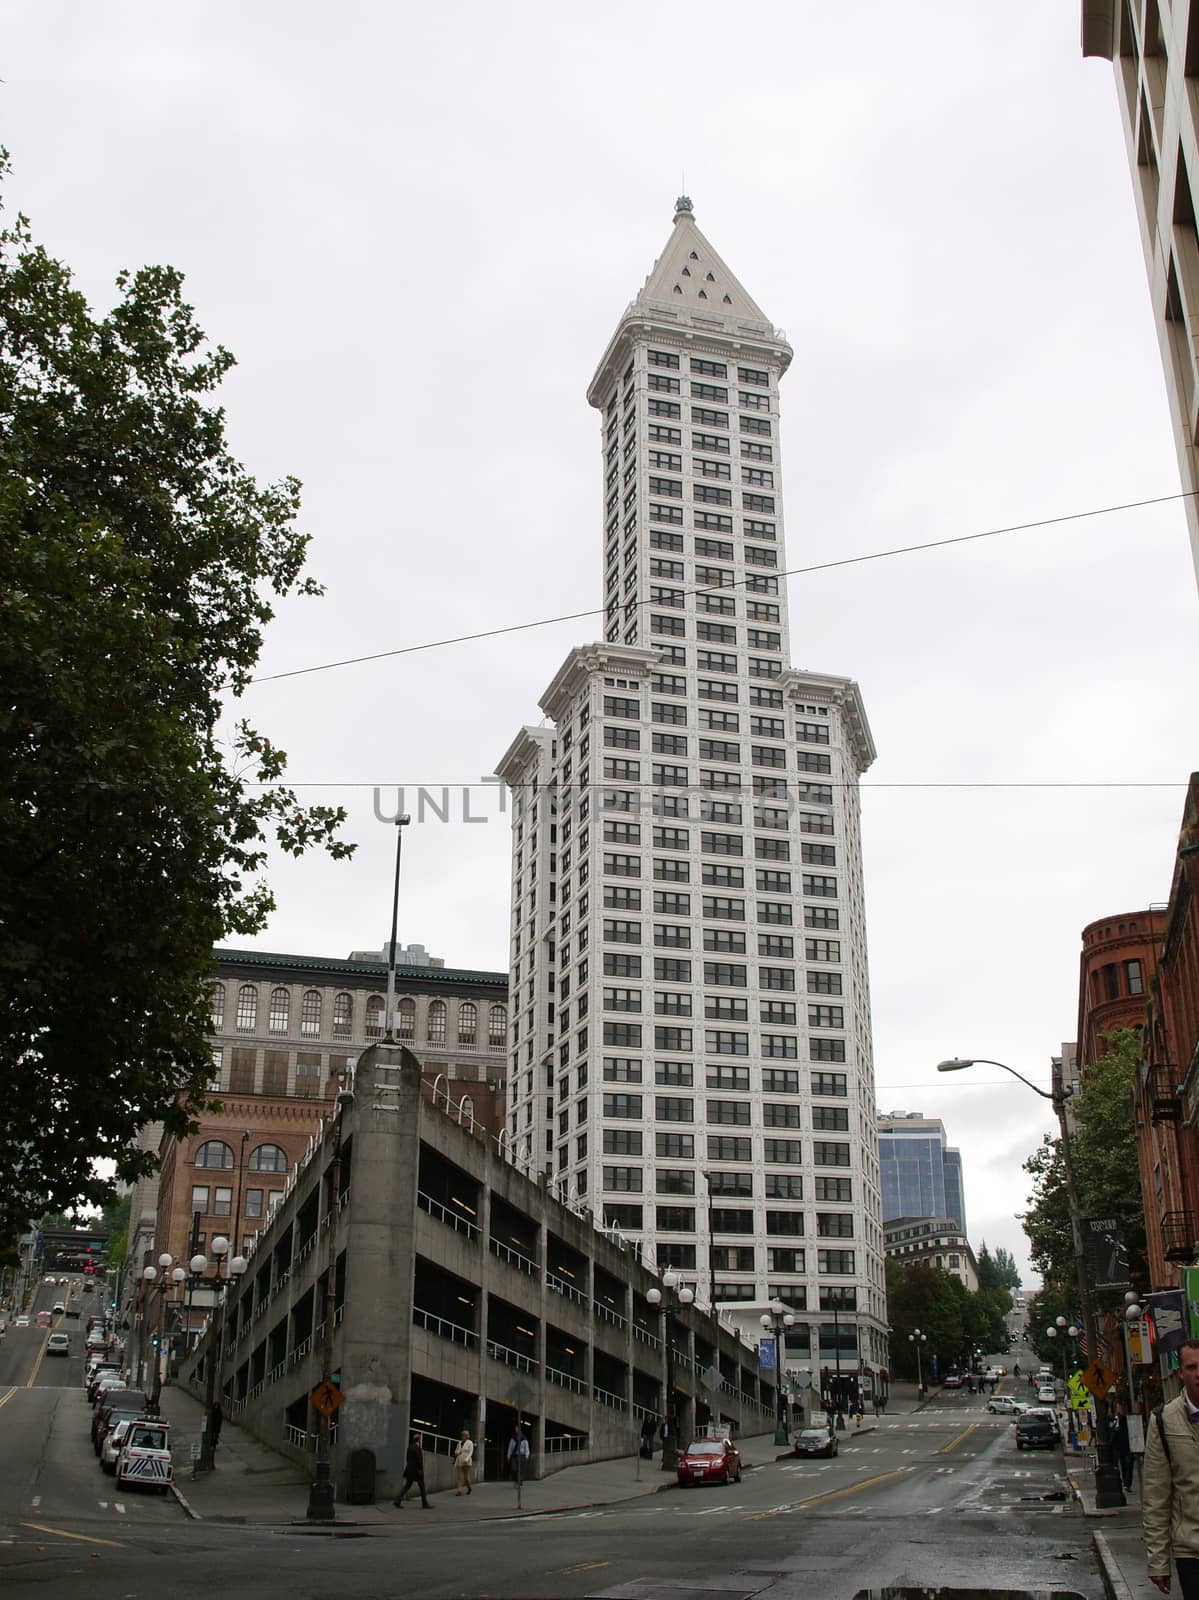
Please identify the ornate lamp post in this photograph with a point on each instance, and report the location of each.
(1059, 1330)
(917, 1338)
(677, 1297)
(1108, 1489)
(775, 1321)
(234, 1267)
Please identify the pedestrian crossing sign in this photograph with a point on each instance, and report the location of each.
(1098, 1378)
(326, 1398)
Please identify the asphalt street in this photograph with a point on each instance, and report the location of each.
(938, 1498)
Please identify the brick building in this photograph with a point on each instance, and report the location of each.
(1119, 958)
(1168, 1087)
(286, 1029)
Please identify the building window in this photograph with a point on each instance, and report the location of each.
(247, 1008)
(222, 1202)
(200, 1199)
(1134, 973)
(406, 1019)
(468, 1023)
(310, 1014)
(253, 1206)
(374, 1017)
(343, 1016)
(218, 1006)
(214, 1153)
(279, 1011)
(308, 1075)
(267, 1158)
(274, 1072)
(497, 1027)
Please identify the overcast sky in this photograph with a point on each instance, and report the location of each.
(416, 227)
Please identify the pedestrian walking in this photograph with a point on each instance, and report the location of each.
(1170, 1490)
(518, 1454)
(464, 1455)
(1121, 1447)
(649, 1429)
(414, 1473)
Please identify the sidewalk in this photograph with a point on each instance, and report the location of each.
(254, 1484)
(1119, 1547)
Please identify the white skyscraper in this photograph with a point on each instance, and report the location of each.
(691, 1051)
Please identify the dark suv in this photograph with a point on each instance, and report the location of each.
(117, 1403)
(1035, 1433)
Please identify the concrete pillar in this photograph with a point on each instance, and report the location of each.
(384, 1123)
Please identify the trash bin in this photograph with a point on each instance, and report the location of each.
(362, 1478)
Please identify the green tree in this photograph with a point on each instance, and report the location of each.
(139, 565)
(1106, 1169)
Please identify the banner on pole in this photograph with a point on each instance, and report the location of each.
(1106, 1252)
(766, 1355)
(1168, 1312)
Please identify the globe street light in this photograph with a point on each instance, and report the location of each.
(1108, 1489)
(678, 1297)
(777, 1319)
(917, 1338)
(234, 1267)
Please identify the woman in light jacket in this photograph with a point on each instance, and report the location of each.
(464, 1455)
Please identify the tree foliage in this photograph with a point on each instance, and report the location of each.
(139, 564)
(1106, 1169)
(954, 1320)
(997, 1269)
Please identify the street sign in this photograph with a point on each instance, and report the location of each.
(1140, 1349)
(1098, 1378)
(326, 1398)
(800, 1378)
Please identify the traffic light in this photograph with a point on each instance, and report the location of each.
(335, 1377)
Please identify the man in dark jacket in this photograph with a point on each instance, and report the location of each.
(414, 1473)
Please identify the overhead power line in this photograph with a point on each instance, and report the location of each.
(789, 572)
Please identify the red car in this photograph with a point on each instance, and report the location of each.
(709, 1461)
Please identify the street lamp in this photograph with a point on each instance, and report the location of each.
(776, 1321)
(1108, 1490)
(917, 1338)
(678, 1297)
(835, 1300)
(234, 1267)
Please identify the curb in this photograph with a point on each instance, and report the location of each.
(1114, 1583)
(188, 1509)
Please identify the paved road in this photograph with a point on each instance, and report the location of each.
(939, 1498)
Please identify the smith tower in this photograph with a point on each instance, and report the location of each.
(691, 1055)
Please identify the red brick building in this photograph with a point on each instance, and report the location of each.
(1168, 1091)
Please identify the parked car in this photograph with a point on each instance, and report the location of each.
(1004, 1405)
(111, 1447)
(117, 1404)
(815, 1442)
(145, 1455)
(1046, 1393)
(951, 1380)
(58, 1344)
(709, 1461)
(1035, 1433)
(21, 1322)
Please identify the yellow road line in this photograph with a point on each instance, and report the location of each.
(7, 1396)
(585, 1566)
(37, 1365)
(62, 1533)
(833, 1494)
(953, 1443)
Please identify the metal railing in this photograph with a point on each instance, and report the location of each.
(444, 1329)
(514, 1258)
(510, 1357)
(446, 1214)
(561, 1443)
(560, 1286)
(300, 1351)
(650, 1339)
(565, 1381)
(607, 1398)
(606, 1314)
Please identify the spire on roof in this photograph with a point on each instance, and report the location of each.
(689, 270)
(683, 207)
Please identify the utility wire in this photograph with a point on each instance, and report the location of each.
(789, 572)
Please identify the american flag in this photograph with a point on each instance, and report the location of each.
(1084, 1348)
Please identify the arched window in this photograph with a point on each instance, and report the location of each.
(218, 1006)
(406, 1024)
(437, 1022)
(343, 1016)
(214, 1153)
(497, 1027)
(468, 1022)
(247, 1008)
(374, 1017)
(280, 1007)
(268, 1158)
(310, 1013)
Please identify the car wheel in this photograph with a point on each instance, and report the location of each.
(738, 1477)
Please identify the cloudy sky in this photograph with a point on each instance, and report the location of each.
(417, 227)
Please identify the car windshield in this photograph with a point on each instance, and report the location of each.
(706, 1447)
(813, 1433)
